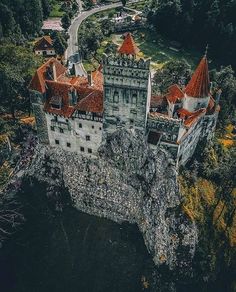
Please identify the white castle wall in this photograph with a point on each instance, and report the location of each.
(194, 103)
(79, 135)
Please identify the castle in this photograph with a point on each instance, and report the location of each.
(78, 112)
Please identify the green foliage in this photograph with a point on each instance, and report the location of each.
(208, 188)
(46, 6)
(197, 23)
(173, 72)
(124, 2)
(90, 38)
(17, 65)
(23, 16)
(59, 43)
(226, 81)
(65, 20)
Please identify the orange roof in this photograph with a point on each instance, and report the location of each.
(37, 83)
(174, 93)
(43, 43)
(156, 100)
(128, 47)
(90, 97)
(93, 102)
(61, 90)
(199, 84)
(190, 117)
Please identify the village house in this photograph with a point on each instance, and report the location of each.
(77, 112)
(44, 47)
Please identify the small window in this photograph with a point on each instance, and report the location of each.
(100, 128)
(87, 138)
(80, 125)
(90, 150)
(57, 142)
(61, 130)
(92, 126)
(116, 97)
(68, 144)
(82, 149)
(52, 128)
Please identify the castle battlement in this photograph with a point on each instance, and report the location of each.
(127, 61)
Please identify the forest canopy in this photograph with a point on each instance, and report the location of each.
(197, 23)
(22, 16)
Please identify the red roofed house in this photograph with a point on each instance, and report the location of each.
(44, 47)
(76, 113)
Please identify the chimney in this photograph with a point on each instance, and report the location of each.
(51, 71)
(54, 71)
(72, 97)
(90, 79)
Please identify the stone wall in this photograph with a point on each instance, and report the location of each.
(127, 92)
(37, 100)
(127, 182)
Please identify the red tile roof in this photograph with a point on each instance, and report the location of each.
(190, 118)
(44, 43)
(58, 89)
(37, 83)
(93, 102)
(156, 100)
(90, 97)
(174, 93)
(128, 47)
(199, 84)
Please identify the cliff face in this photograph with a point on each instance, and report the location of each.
(127, 182)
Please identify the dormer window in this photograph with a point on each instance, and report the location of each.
(56, 102)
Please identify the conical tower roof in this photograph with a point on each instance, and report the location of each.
(128, 47)
(199, 85)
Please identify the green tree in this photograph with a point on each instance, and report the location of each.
(17, 65)
(225, 80)
(66, 22)
(173, 72)
(124, 2)
(46, 5)
(59, 43)
(7, 20)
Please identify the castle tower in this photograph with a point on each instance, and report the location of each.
(197, 91)
(127, 88)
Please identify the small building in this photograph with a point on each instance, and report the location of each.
(52, 24)
(44, 47)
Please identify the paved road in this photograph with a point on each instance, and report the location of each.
(72, 50)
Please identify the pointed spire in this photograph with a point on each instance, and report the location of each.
(199, 85)
(128, 47)
(206, 51)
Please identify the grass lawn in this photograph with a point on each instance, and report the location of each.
(56, 6)
(137, 6)
(155, 48)
(151, 45)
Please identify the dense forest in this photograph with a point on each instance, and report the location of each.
(22, 17)
(197, 23)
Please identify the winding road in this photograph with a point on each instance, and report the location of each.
(71, 53)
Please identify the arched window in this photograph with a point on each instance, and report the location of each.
(116, 96)
(134, 98)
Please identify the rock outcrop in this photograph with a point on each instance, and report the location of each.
(126, 182)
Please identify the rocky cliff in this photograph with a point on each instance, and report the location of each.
(126, 182)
